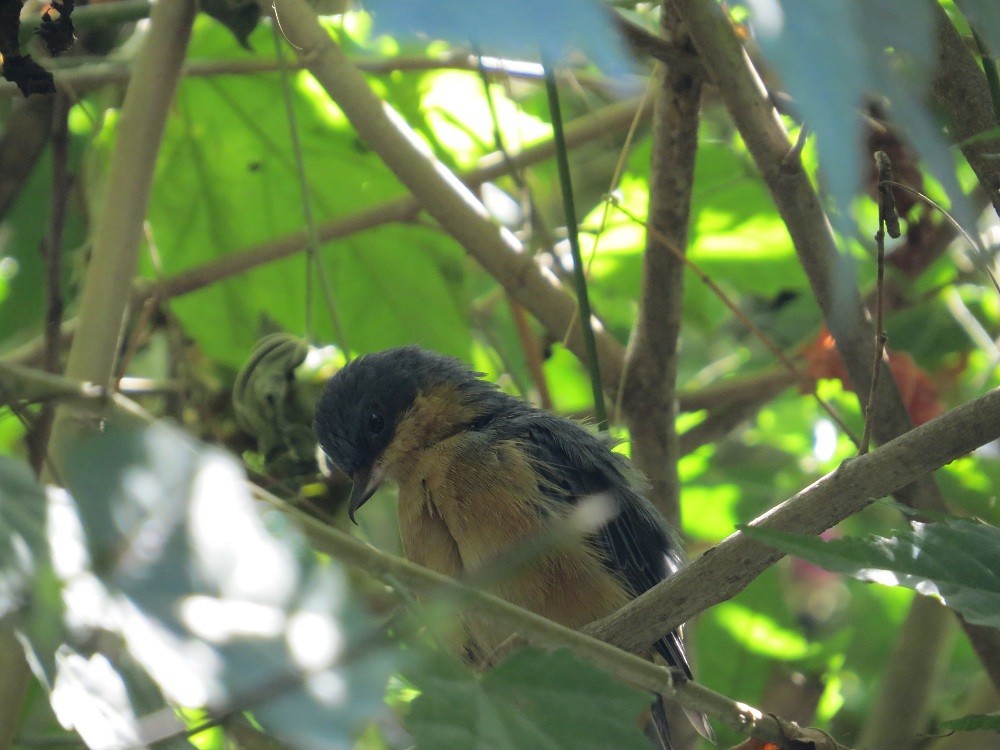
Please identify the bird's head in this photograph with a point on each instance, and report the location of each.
(381, 409)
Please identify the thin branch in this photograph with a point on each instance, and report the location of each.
(888, 220)
(726, 569)
(51, 248)
(650, 377)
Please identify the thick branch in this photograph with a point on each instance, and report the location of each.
(726, 569)
(650, 381)
(441, 193)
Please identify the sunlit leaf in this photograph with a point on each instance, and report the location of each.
(221, 611)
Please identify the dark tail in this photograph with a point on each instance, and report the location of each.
(657, 729)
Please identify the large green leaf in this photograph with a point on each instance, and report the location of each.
(533, 699)
(956, 560)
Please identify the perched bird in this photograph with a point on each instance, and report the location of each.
(478, 472)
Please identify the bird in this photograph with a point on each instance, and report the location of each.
(479, 471)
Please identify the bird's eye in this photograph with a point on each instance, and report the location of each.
(375, 423)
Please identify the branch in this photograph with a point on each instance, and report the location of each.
(650, 379)
(797, 203)
(441, 193)
(726, 569)
(535, 629)
(80, 75)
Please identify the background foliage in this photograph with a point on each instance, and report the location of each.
(158, 578)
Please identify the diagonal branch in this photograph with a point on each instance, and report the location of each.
(726, 569)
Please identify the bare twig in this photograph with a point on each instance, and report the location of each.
(888, 220)
(51, 248)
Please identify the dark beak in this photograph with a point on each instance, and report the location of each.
(365, 484)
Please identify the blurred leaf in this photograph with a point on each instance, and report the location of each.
(984, 17)
(833, 54)
(222, 612)
(518, 29)
(29, 589)
(957, 560)
(533, 699)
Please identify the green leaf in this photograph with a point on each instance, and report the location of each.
(226, 181)
(972, 723)
(533, 700)
(957, 560)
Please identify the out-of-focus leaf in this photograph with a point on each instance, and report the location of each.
(91, 697)
(23, 547)
(29, 589)
(984, 17)
(831, 55)
(221, 611)
(532, 700)
(957, 560)
(519, 29)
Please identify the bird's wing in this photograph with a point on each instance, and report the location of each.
(636, 545)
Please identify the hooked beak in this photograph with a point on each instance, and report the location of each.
(365, 484)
